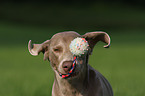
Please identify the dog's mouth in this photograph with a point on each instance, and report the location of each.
(72, 72)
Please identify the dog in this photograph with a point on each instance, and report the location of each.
(84, 80)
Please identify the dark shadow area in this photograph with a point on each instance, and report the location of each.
(23, 20)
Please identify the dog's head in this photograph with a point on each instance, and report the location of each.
(57, 51)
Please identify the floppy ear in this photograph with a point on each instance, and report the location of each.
(94, 37)
(35, 49)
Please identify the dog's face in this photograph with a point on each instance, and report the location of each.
(60, 56)
(57, 51)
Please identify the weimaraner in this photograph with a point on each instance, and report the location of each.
(84, 81)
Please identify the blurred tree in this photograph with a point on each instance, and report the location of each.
(75, 13)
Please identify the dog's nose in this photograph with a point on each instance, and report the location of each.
(67, 66)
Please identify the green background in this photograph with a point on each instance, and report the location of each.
(123, 64)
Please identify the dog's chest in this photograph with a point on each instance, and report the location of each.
(71, 92)
(65, 91)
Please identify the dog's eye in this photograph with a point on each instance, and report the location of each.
(56, 49)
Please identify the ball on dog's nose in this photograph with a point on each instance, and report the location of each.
(79, 46)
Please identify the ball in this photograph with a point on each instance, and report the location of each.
(79, 46)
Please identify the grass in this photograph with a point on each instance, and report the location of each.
(24, 75)
(124, 68)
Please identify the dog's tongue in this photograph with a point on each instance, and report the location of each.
(71, 70)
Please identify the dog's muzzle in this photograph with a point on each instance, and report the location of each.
(71, 70)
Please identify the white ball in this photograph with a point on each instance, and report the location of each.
(79, 46)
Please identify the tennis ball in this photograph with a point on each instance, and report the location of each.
(79, 46)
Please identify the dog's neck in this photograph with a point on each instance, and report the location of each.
(70, 87)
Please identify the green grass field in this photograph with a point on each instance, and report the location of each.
(21, 74)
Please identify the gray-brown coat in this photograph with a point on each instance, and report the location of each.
(85, 81)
